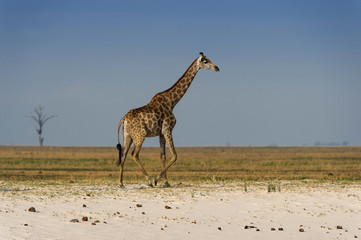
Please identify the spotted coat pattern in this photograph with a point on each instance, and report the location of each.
(157, 119)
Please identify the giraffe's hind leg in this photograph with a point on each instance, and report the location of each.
(137, 146)
(127, 142)
(163, 158)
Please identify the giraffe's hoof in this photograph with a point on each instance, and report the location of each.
(155, 182)
(121, 185)
(166, 185)
(150, 185)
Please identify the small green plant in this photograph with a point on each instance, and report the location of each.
(271, 187)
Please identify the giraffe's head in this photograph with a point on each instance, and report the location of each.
(205, 63)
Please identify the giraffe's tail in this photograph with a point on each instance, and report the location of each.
(120, 154)
(119, 147)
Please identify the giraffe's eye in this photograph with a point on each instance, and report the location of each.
(205, 61)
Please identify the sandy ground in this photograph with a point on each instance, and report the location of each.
(297, 210)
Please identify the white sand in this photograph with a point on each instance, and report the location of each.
(209, 211)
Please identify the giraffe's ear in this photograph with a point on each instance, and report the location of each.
(202, 57)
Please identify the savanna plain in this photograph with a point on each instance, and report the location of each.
(215, 193)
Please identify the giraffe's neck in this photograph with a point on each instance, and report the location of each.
(175, 93)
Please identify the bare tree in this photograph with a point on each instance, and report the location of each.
(40, 118)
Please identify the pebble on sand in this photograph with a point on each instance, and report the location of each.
(32, 209)
(249, 227)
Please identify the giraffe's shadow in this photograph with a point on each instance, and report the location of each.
(130, 187)
(13, 190)
(135, 187)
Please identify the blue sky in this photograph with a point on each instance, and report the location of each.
(290, 70)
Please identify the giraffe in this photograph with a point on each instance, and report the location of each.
(157, 119)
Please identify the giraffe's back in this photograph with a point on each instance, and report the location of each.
(145, 121)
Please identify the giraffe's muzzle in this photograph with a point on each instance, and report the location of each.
(216, 69)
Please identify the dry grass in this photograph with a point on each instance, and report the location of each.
(194, 164)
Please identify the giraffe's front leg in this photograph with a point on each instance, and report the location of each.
(168, 137)
(163, 158)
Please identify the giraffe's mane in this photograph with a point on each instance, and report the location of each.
(195, 60)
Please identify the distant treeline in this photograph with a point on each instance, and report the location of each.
(344, 143)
